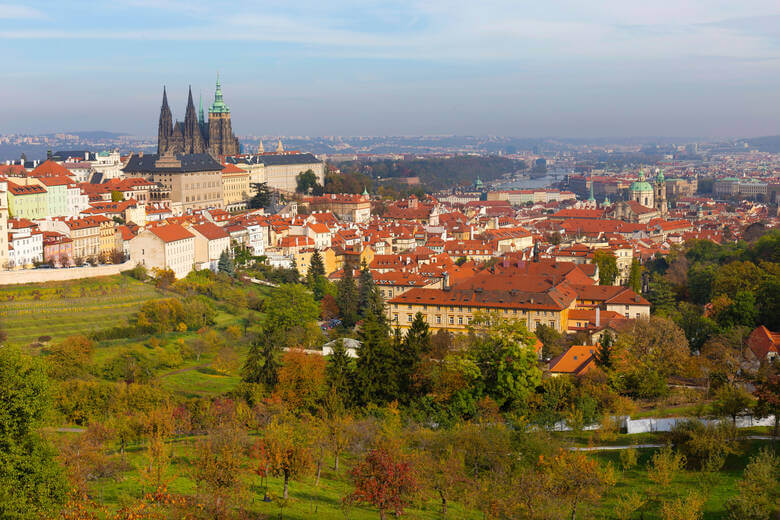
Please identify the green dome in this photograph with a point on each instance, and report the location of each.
(641, 184)
(660, 178)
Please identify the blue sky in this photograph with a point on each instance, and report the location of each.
(707, 68)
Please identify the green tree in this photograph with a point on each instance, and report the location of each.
(700, 279)
(225, 264)
(315, 276)
(290, 310)
(603, 355)
(768, 294)
(347, 296)
(697, 327)
(413, 349)
(607, 263)
(741, 311)
(730, 401)
(734, 277)
(661, 295)
(31, 482)
(262, 363)
(375, 369)
(307, 182)
(369, 297)
(503, 350)
(767, 395)
(117, 196)
(262, 197)
(340, 372)
(757, 492)
(635, 277)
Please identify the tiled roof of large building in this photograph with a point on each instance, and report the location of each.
(50, 168)
(211, 231)
(171, 233)
(275, 159)
(195, 162)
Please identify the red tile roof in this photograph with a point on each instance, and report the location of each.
(171, 233)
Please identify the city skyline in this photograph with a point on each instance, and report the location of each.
(412, 68)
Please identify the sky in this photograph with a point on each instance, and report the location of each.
(565, 68)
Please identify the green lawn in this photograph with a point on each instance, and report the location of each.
(61, 309)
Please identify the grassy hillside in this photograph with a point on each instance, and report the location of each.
(61, 309)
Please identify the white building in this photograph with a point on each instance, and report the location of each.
(25, 246)
(210, 241)
(165, 247)
(3, 225)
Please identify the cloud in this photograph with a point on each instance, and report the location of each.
(19, 12)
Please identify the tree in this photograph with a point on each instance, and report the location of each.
(290, 310)
(369, 297)
(301, 382)
(768, 294)
(767, 394)
(553, 343)
(261, 365)
(757, 492)
(730, 401)
(576, 479)
(287, 450)
(697, 327)
(635, 276)
(31, 482)
(70, 357)
(603, 355)
(734, 277)
(665, 465)
(607, 264)
(262, 197)
(217, 468)
(375, 369)
(385, 480)
(741, 310)
(316, 266)
(340, 372)
(117, 196)
(414, 346)
(655, 349)
(700, 279)
(307, 182)
(503, 350)
(347, 297)
(684, 508)
(444, 463)
(661, 295)
(225, 264)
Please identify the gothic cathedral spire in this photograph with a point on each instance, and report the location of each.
(165, 125)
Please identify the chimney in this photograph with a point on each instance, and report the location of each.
(598, 317)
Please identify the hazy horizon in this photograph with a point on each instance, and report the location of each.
(403, 68)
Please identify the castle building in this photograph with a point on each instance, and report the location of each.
(195, 135)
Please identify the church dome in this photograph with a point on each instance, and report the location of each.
(641, 184)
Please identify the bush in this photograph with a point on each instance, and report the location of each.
(705, 446)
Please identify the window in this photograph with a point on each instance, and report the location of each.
(409, 318)
(410, 307)
(460, 320)
(438, 319)
(452, 320)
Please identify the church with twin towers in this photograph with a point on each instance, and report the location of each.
(196, 135)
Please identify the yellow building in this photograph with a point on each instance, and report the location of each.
(535, 300)
(31, 201)
(235, 187)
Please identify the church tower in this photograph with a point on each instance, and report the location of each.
(165, 125)
(660, 194)
(221, 138)
(193, 138)
(642, 192)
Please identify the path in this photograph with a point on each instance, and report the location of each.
(263, 282)
(180, 370)
(655, 445)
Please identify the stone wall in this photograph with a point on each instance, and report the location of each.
(56, 275)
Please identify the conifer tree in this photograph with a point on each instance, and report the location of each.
(603, 355)
(340, 372)
(369, 297)
(375, 374)
(411, 350)
(348, 298)
(225, 264)
(316, 266)
(262, 363)
(635, 278)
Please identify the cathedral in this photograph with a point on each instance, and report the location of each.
(196, 135)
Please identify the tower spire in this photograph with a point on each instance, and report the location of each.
(201, 118)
